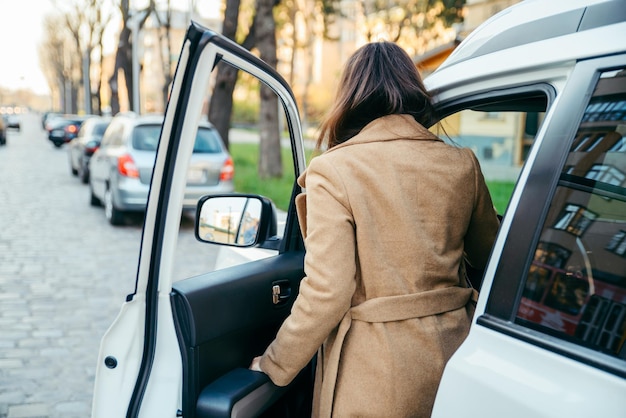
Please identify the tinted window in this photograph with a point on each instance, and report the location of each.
(146, 137)
(99, 129)
(207, 142)
(576, 285)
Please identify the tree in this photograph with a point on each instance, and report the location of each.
(164, 21)
(81, 25)
(270, 159)
(53, 53)
(414, 24)
(97, 23)
(262, 36)
(123, 55)
(221, 105)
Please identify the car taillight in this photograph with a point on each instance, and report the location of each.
(71, 129)
(91, 149)
(126, 166)
(228, 170)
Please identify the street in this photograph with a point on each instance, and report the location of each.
(64, 274)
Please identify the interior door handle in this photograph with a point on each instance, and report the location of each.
(281, 292)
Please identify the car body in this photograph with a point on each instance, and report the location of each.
(13, 121)
(121, 168)
(63, 129)
(3, 131)
(47, 116)
(85, 144)
(549, 330)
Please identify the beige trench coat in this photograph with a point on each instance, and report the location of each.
(387, 218)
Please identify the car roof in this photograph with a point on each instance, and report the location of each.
(131, 118)
(536, 34)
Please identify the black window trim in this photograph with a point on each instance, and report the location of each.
(477, 101)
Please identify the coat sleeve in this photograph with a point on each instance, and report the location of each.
(484, 222)
(330, 268)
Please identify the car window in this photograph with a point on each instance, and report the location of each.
(98, 129)
(146, 137)
(244, 146)
(575, 288)
(500, 136)
(208, 141)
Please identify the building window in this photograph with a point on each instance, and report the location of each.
(574, 219)
(617, 245)
(606, 174)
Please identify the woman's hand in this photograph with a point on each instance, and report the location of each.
(256, 364)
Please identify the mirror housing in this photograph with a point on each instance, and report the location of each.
(237, 220)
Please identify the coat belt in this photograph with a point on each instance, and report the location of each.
(386, 309)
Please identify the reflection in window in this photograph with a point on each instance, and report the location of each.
(567, 294)
(574, 219)
(538, 278)
(603, 325)
(576, 285)
(619, 146)
(606, 174)
(551, 254)
(617, 245)
(613, 109)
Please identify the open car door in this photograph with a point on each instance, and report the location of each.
(200, 312)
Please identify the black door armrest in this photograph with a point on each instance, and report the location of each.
(240, 393)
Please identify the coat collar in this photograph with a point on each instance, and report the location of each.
(389, 128)
(386, 128)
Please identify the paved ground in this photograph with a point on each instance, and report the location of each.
(64, 273)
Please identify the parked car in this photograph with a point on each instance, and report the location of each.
(63, 129)
(549, 330)
(13, 121)
(85, 144)
(121, 168)
(3, 131)
(47, 116)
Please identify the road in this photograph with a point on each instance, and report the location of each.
(64, 274)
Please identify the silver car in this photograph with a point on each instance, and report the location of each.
(121, 169)
(82, 147)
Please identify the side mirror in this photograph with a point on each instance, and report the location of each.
(236, 220)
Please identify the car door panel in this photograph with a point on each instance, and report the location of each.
(227, 317)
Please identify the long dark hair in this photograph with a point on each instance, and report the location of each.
(379, 79)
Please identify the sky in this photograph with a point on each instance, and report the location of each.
(21, 33)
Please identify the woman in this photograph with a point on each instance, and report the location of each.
(389, 212)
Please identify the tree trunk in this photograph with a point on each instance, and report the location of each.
(221, 104)
(270, 161)
(122, 63)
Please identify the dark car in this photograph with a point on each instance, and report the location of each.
(63, 129)
(3, 131)
(85, 144)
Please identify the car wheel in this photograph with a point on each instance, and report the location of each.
(58, 144)
(94, 199)
(113, 215)
(73, 170)
(83, 174)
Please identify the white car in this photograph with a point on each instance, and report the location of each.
(543, 82)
